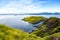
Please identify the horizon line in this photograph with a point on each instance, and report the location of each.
(34, 14)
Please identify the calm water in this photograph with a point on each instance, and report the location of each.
(18, 23)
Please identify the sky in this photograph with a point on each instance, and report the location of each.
(29, 6)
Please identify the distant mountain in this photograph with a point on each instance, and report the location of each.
(44, 13)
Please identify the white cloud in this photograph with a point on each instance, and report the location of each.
(25, 6)
(22, 6)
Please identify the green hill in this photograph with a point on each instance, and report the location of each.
(34, 19)
(7, 33)
(49, 30)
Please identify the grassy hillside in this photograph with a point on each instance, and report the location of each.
(49, 30)
(34, 19)
(7, 33)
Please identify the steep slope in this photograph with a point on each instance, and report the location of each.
(7, 33)
(51, 26)
(55, 36)
(50, 29)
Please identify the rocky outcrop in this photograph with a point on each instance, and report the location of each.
(51, 22)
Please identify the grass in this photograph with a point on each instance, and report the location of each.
(34, 19)
(49, 30)
(7, 33)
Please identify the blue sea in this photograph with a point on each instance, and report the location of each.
(15, 21)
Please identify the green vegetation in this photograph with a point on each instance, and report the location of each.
(34, 19)
(7, 33)
(49, 30)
